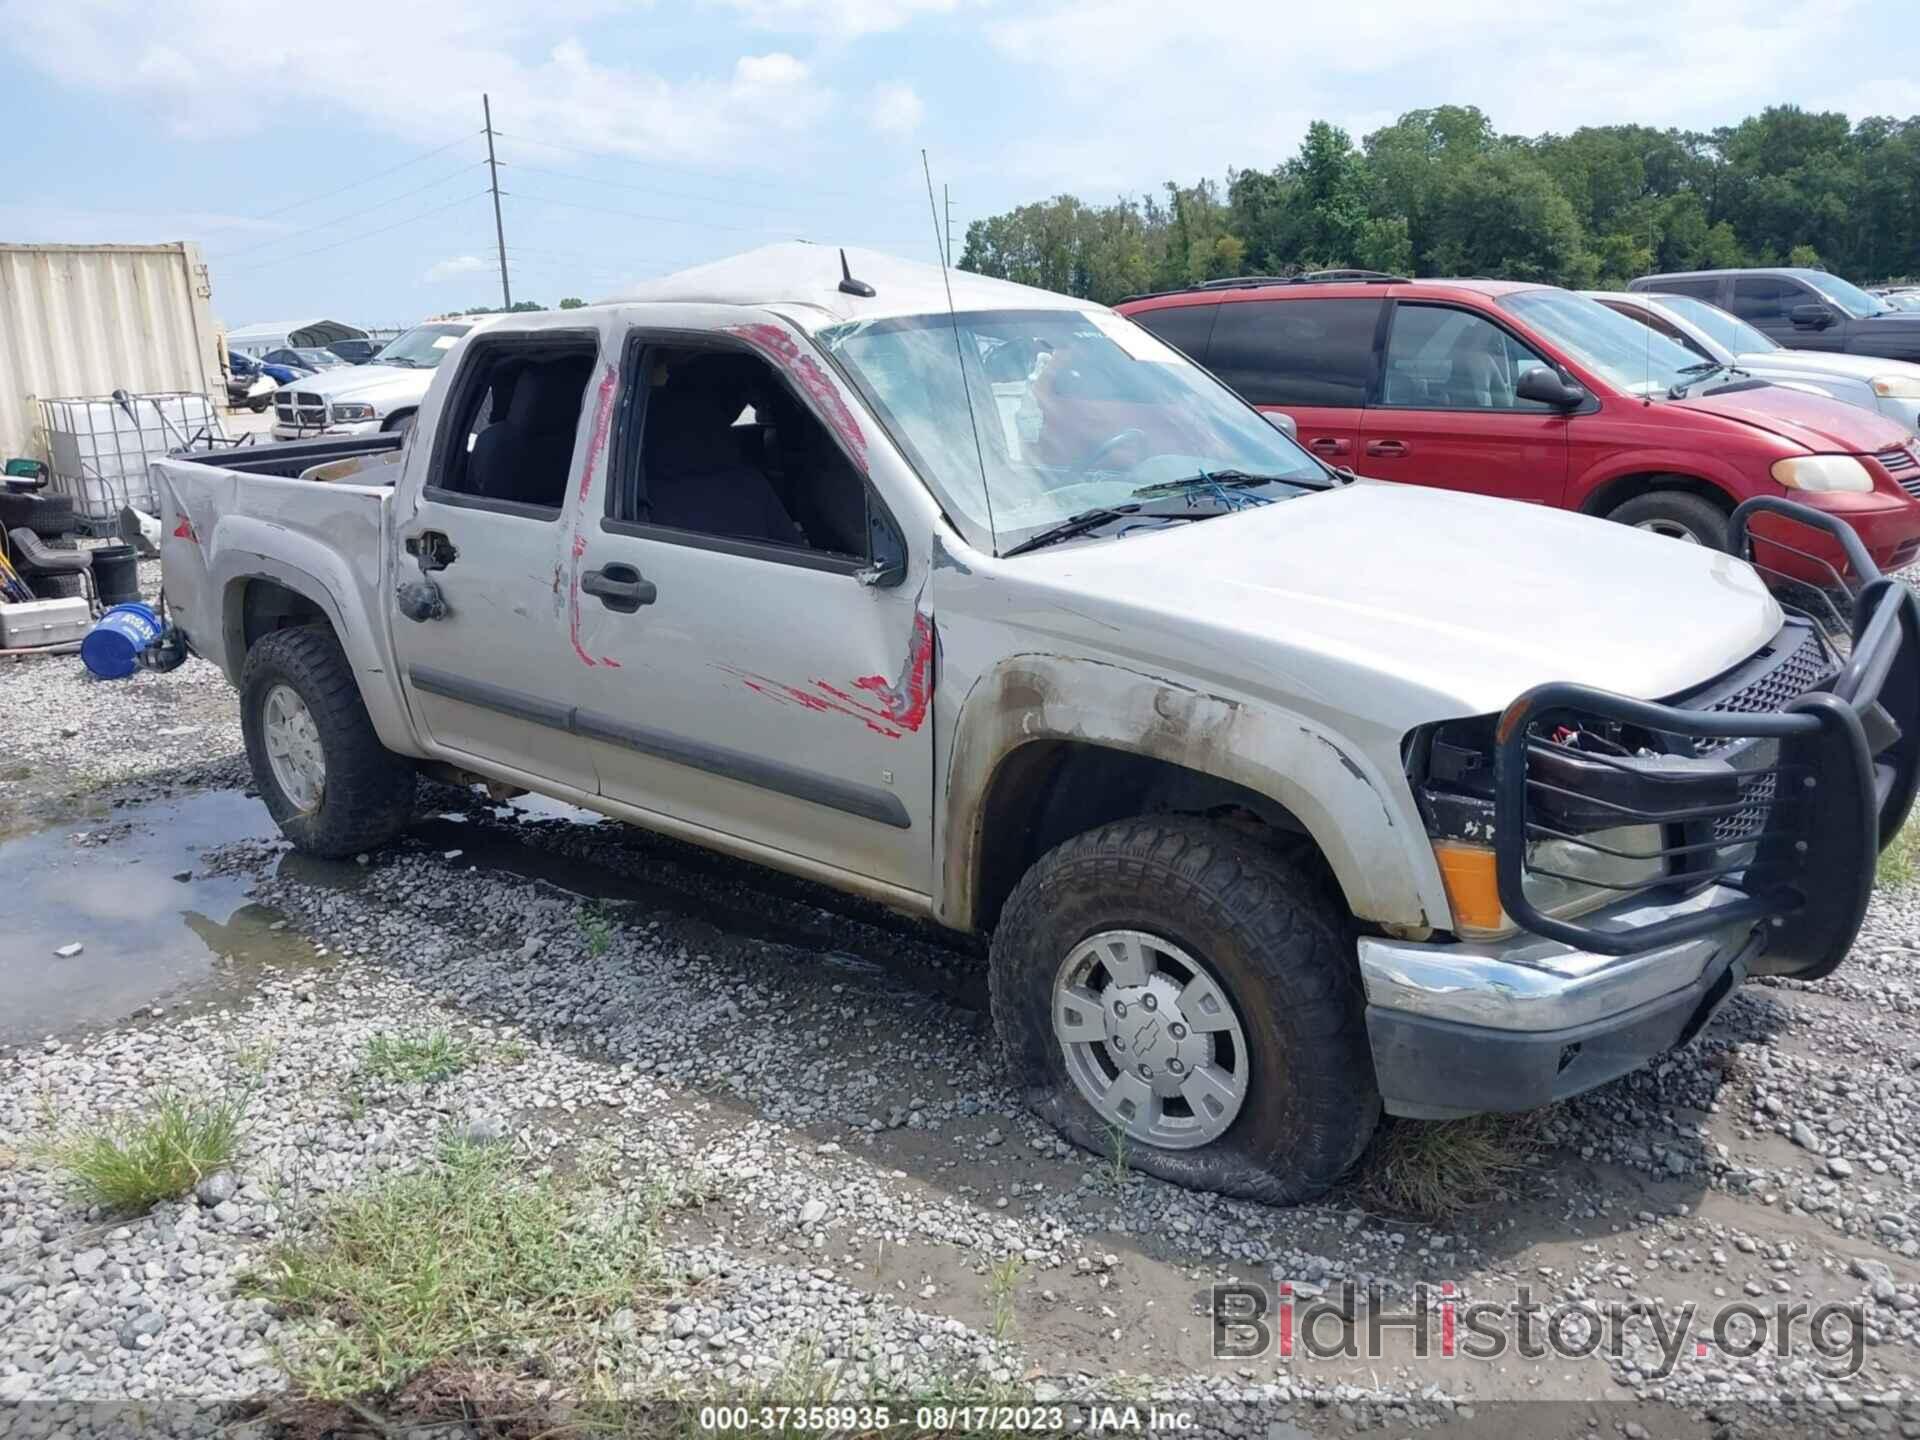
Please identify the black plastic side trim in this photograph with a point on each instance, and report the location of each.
(868, 802)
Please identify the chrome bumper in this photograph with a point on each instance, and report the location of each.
(1531, 984)
(1465, 1029)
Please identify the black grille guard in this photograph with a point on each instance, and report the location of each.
(1838, 777)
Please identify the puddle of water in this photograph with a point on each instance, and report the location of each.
(146, 935)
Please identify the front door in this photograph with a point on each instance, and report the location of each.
(489, 678)
(762, 643)
(1448, 415)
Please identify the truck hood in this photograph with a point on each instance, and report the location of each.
(1817, 423)
(1422, 604)
(1826, 362)
(373, 384)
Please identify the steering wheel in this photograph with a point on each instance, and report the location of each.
(1091, 460)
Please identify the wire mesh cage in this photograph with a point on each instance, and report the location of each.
(100, 449)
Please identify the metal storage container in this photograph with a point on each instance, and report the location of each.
(92, 319)
(44, 622)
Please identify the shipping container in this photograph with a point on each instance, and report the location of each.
(86, 320)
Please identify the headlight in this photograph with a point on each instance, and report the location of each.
(1823, 474)
(355, 412)
(1563, 878)
(1896, 387)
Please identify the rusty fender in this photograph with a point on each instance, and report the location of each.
(1342, 805)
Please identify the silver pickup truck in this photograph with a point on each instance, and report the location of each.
(1284, 796)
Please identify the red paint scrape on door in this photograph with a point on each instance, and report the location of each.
(815, 381)
(596, 447)
(892, 709)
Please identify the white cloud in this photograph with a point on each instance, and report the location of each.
(895, 109)
(455, 265)
(842, 19)
(416, 70)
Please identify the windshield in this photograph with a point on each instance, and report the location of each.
(1903, 301)
(1729, 332)
(1631, 356)
(1849, 297)
(1076, 410)
(319, 359)
(422, 347)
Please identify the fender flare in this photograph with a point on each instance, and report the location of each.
(1371, 839)
(318, 575)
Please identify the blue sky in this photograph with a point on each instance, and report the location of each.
(328, 158)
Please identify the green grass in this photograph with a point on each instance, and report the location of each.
(1439, 1169)
(1894, 869)
(1001, 1281)
(134, 1161)
(424, 1056)
(596, 927)
(1117, 1169)
(465, 1266)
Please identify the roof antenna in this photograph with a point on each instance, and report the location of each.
(960, 354)
(849, 285)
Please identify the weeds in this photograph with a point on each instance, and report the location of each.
(1117, 1169)
(462, 1266)
(596, 927)
(1435, 1170)
(423, 1056)
(132, 1162)
(1001, 1280)
(1894, 869)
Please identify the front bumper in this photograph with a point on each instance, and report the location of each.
(1459, 1029)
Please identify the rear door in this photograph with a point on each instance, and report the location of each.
(1311, 358)
(1447, 414)
(491, 679)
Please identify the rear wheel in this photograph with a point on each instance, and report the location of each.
(1174, 991)
(1676, 515)
(328, 782)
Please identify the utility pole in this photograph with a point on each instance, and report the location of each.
(499, 231)
(947, 196)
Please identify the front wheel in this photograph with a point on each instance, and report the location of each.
(330, 785)
(1169, 990)
(1676, 515)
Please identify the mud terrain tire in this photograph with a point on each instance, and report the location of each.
(1266, 932)
(367, 795)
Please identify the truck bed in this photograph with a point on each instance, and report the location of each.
(291, 458)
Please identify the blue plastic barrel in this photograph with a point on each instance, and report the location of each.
(112, 648)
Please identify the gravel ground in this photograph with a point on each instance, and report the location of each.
(853, 1179)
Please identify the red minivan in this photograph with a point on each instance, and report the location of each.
(1538, 394)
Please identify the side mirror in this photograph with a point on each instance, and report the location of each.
(1544, 387)
(1811, 316)
(1283, 422)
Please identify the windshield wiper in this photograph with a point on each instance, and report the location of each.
(1705, 370)
(1074, 525)
(1210, 479)
(407, 361)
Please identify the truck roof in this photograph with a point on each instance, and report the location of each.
(795, 274)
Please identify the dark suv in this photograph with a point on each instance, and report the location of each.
(1802, 309)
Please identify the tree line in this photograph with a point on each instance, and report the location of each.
(1440, 192)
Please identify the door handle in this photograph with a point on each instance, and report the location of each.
(1389, 448)
(1328, 445)
(620, 587)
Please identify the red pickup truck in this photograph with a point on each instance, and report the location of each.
(1538, 394)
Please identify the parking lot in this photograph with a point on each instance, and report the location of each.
(849, 1198)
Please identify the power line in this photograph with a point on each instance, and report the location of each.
(369, 179)
(615, 156)
(649, 189)
(656, 219)
(363, 235)
(329, 223)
